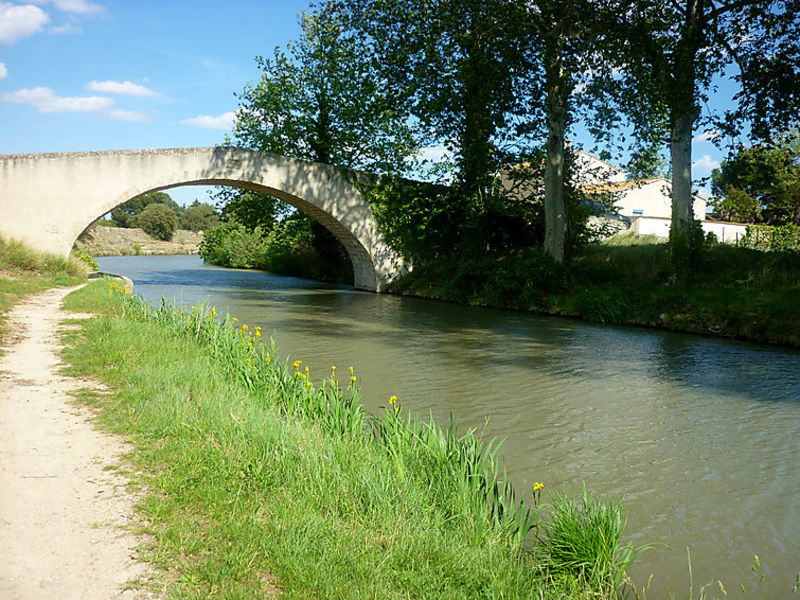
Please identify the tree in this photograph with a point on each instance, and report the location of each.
(563, 49)
(200, 216)
(455, 64)
(761, 183)
(158, 220)
(672, 55)
(323, 100)
(121, 217)
(249, 208)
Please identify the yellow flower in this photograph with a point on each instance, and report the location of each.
(351, 370)
(247, 360)
(309, 384)
(296, 364)
(393, 400)
(537, 486)
(306, 369)
(249, 344)
(234, 319)
(353, 379)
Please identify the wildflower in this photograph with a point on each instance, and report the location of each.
(234, 319)
(249, 344)
(352, 379)
(258, 332)
(333, 371)
(351, 370)
(309, 384)
(296, 364)
(247, 360)
(393, 404)
(537, 486)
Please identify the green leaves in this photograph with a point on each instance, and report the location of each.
(323, 99)
(761, 183)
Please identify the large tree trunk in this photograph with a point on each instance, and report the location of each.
(680, 233)
(683, 113)
(555, 215)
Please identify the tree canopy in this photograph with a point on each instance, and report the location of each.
(122, 216)
(200, 216)
(157, 219)
(671, 57)
(761, 183)
(320, 100)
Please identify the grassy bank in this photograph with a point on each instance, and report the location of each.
(25, 271)
(733, 292)
(263, 478)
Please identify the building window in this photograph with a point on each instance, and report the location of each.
(638, 212)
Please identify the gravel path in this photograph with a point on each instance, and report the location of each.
(62, 511)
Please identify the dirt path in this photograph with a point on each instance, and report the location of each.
(61, 512)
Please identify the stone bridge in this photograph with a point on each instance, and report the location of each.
(47, 200)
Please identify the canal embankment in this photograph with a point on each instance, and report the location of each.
(102, 240)
(263, 479)
(731, 292)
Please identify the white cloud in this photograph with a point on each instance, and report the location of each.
(706, 136)
(78, 7)
(3, 70)
(123, 88)
(66, 29)
(704, 165)
(45, 100)
(223, 121)
(129, 115)
(18, 21)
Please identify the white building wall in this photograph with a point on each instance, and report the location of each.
(654, 199)
(727, 233)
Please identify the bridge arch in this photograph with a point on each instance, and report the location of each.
(47, 200)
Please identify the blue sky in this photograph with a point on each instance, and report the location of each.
(81, 75)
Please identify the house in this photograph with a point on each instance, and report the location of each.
(644, 197)
(647, 202)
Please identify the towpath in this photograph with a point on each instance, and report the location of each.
(63, 511)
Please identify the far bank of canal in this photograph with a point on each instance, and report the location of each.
(700, 437)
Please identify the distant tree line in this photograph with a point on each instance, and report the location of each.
(157, 214)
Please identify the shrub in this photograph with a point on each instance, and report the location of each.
(157, 220)
(199, 217)
(765, 237)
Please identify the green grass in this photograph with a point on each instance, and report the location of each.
(260, 477)
(25, 271)
(734, 292)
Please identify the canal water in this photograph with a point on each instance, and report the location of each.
(699, 437)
